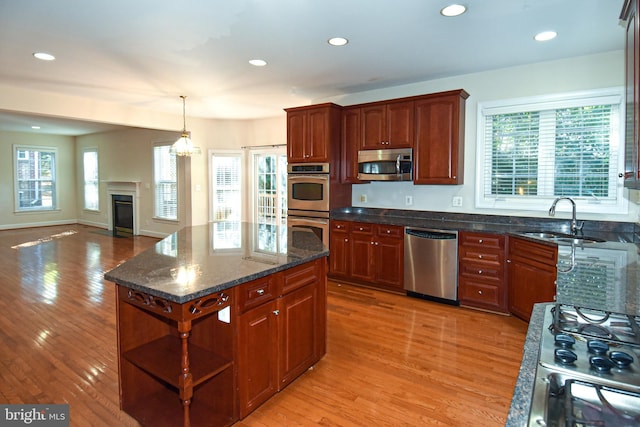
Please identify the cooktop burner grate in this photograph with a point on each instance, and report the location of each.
(587, 404)
(596, 323)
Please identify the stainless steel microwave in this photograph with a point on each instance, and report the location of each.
(385, 165)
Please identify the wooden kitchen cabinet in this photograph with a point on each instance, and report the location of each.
(630, 11)
(367, 254)
(350, 145)
(281, 331)
(481, 281)
(313, 133)
(387, 125)
(532, 271)
(439, 138)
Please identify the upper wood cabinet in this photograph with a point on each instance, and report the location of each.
(313, 133)
(351, 132)
(438, 155)
(630, 11)
(387, 125)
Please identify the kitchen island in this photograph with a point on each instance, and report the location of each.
(215, 319)
(601, 276)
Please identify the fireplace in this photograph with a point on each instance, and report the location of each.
(122, 208)
(123, 213)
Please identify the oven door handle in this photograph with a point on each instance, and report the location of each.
(320, 177)
(297, 221)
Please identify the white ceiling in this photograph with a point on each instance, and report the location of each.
(146, 53)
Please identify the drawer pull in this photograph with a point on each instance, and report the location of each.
(479, 271)
(260, 291)
(480, 292)
(480, 256)
(479, 240)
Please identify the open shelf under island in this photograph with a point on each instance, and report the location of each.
(215, 319)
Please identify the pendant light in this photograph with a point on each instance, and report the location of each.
(183, 146)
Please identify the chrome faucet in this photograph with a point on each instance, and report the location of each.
(575, 228)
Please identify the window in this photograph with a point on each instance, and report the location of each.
(165, 183)
(91, 182)
(226, 170)
(35, 184)
(533, 150)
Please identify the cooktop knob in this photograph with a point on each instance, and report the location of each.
(597, 347)
(564, 340)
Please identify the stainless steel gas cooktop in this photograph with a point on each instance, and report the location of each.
(589, 369)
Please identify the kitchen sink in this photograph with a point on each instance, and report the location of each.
(563, 238)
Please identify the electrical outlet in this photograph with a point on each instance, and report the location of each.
(456, 201)
(363, 198)
(408, 200)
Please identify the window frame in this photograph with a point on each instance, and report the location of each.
(16, 181)
(212, 176)
(85, 151)
(541, 203)
(156, 214)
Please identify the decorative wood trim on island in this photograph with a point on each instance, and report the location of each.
(209, 350)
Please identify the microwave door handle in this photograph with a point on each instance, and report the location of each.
(398, 165)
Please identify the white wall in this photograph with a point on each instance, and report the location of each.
(65, 175)
(574, 74)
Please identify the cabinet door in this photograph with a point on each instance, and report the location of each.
(389, 261)
(317, 145)
(350, 145)
(340, 253)
(632, 87)
(298, 333)
(439, 144)
(373, 127)
(362, 245)
(531, 270)
(257, 357)
(399, 124)
(296, 136)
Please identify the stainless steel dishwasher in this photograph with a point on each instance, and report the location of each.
(431, 264)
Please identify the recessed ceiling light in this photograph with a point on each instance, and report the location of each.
(453, 10)
(545, 36)
(35, 127)
(44, 56)
(337, 41)
(258, 62)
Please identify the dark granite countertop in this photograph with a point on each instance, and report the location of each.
(201, 260)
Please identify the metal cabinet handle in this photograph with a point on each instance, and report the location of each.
(480, 292)
(480, 241)
(479, 271)
(480, 256)
(260, 291)
(276, 312)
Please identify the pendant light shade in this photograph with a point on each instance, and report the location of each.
(184, 146)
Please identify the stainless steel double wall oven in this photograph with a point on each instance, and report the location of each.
(308, 199)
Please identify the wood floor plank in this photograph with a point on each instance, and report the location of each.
(391, 360)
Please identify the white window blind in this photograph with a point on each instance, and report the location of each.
(35, 179)
(91, 180)
(165, 183)
(226, 185)
(533, 150)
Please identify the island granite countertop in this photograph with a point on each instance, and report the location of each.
(201, 260)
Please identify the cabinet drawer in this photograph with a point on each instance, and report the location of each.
(481, 295)
(481, 255)
(478, 270)
(533, 251)
(340, 225)
(361, 227)
(390, 230)
(481, 239)
(256, 292)
(300, 276)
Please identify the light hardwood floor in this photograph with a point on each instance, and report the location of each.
(391, 360)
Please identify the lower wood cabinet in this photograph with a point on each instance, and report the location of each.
(367, 254)
(481, 280)
(532, 271)
(283, 335)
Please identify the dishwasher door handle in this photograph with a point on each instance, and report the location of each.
(430, 234)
